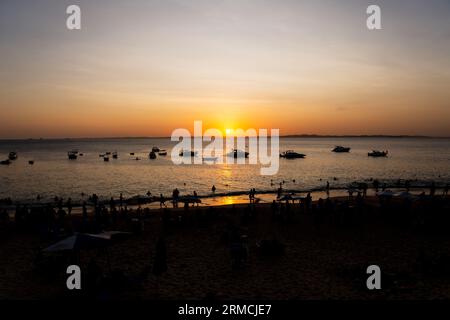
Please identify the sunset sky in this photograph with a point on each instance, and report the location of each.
(144, 68)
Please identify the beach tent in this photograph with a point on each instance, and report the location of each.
(80, 241)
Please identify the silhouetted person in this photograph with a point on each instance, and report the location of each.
(328, 189)
(162, 201)
(432, 189)
(69, 206)
(85, 213)
(175, 195)
(213, 189)
(407, 186)
(376, 185)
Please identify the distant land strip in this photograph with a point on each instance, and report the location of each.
(281, 136)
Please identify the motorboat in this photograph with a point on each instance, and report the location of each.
(155, 149)
(131, 153)
(162, 153)
(378, 154)
(185, 153)
(12, 156)
(106, 159)
(115, 155)
(5, 162)
(238, 154)
(152, 155)
(72, 155)
(341, 149)
(291, 154)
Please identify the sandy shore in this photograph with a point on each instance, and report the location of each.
(325, 254)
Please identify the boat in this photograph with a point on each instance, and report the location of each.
(131, 153)
(31, 162)
(152, 155)
(5, 162)
(155, 149)
(378, 154)
(210, 159)
(115, 155)
(108, 153)
(184, 153)
(341, 149)
(238, 154)
(291, 154)
(72, 155)
(12, 156)
(162, 153)
(106, 159)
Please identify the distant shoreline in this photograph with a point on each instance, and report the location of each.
(306, 136)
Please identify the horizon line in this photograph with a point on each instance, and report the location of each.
(281, 136)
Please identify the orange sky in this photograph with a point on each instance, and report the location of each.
(146, 68)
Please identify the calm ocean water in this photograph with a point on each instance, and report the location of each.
(53, 174)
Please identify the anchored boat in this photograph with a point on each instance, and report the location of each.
(341, 149)
(377, 153)
(291, 154)
(12, 156)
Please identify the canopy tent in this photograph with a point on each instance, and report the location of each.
(80, 241)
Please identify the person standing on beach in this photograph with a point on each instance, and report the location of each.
(69, 206)
(446, 190)
(432, 189)
(328, 189)
(196, 198)
(121, 200)
(213, 189)
(85, 213)
(162, 201)
(175, 195)
(376, 185)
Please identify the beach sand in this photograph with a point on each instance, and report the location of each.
(325, 257)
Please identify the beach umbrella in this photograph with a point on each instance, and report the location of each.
(80, 241)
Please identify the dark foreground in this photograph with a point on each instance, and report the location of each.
(317, 250)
